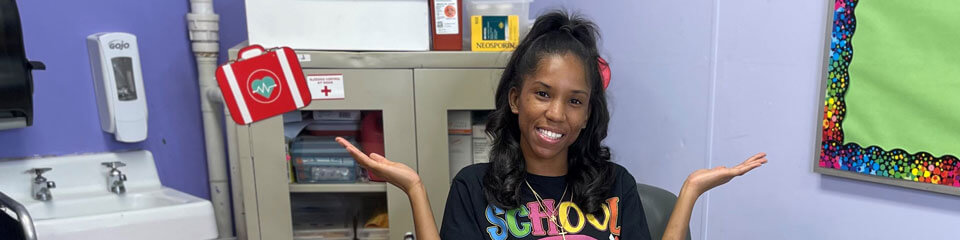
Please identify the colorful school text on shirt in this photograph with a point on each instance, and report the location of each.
(571, 218)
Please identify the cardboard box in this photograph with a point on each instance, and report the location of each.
(392, 25)
(337, 115)
(481, 144)
(461, 152)
(459, 122)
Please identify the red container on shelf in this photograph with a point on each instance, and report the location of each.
(371, 137)
(446, 24)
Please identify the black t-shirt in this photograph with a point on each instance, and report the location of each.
(468, 215)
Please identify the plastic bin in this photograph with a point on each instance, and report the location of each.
(521, 8)
(324, 234)
(333, 128)
(316, 146)
(325, 170)
(373, 233)
(321, 160)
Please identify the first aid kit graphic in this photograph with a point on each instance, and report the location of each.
(262, 83)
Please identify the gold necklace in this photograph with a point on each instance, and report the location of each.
(556, 210)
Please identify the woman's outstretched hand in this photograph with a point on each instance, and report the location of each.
(703, 180)
(406, 179)
(395, 173)
(696, 184)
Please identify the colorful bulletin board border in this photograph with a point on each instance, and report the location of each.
(919, 170)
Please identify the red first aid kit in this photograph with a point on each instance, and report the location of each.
(263, 83)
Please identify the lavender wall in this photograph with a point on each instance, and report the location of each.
(769, 57)
(696, 83)
(708, 82)
(660, 92)
(66, 119)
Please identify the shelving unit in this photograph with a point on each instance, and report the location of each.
(413, 90)
(339, 188)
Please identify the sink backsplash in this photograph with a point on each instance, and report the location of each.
(78, 175)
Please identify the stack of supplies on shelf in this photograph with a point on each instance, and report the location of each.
(467, 139)
(482, 143)
(373, 234)
(334, 123)
(322, 160)
(339, 216)
(314, 155)
(327, 218)
(323, 234)
(460, 140)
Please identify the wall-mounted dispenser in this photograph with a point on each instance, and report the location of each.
(118, 81)
(16, 81)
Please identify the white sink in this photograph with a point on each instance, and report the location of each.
(158, 214)
(83, 208)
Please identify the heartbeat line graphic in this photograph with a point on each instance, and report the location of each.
(264, 89)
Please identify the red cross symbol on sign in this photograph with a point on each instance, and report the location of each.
(326, 91)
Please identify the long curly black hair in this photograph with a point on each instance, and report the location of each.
(590, 175)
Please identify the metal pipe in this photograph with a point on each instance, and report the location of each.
(203, 25)
(26, 222)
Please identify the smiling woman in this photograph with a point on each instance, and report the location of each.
(555, 112)
(551, 116)
(549, 176)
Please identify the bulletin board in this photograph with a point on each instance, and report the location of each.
(891, 93)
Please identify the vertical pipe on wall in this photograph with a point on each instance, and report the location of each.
(203, 25)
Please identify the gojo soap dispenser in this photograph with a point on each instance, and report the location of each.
(118, 82)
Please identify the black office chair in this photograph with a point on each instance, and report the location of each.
(657, 206)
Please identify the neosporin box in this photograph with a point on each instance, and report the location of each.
(494, 33)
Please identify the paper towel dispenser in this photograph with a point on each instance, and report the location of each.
(16, 80)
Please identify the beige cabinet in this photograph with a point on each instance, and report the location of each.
(413, 90)
(439, 91)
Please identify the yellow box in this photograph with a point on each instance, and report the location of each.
(494, 33)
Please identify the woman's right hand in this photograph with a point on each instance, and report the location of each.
(395, 173)
(406, 179)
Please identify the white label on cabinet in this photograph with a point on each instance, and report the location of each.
(326, 86)
(303, 57)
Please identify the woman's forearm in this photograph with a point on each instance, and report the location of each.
(423, 221)
(679, 223)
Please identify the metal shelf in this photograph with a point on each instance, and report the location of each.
(372, 187)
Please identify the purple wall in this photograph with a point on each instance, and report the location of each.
(233, 24)
(709, 82)
(660, 88)
(65, 109)
(693, 87)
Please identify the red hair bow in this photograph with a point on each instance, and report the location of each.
(604, 71)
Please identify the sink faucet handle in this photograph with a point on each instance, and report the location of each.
(123, 177)
(38, 171)
(114, 164)
(51, 184)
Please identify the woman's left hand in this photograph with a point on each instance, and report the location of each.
(703, 180)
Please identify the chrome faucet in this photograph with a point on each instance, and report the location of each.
(41, 187)
(115, 178)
